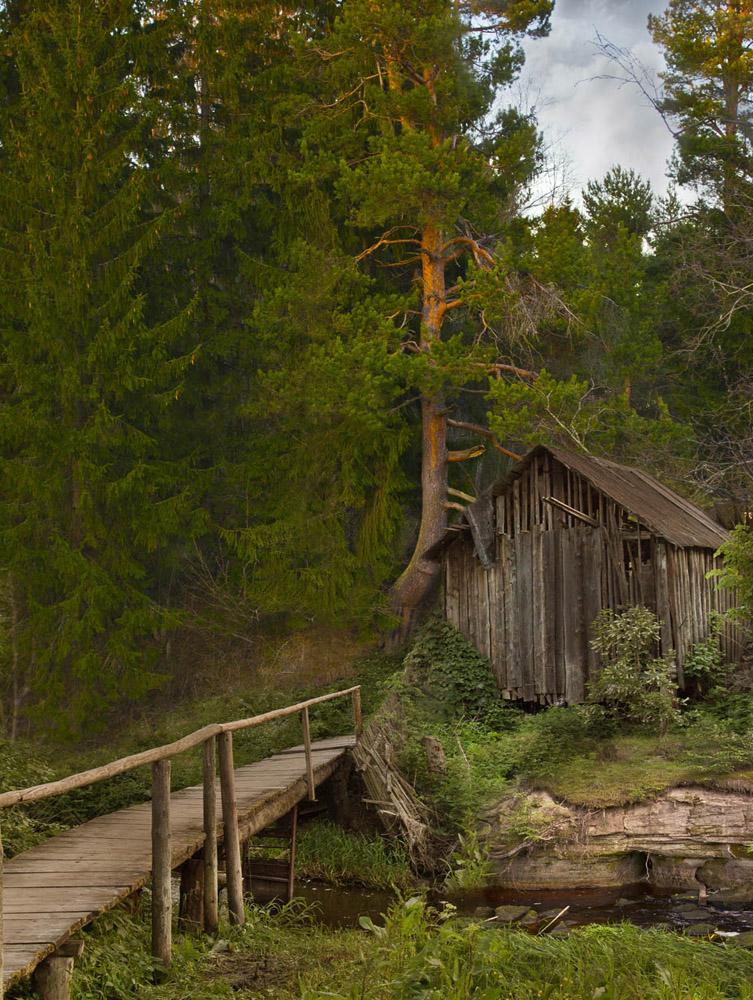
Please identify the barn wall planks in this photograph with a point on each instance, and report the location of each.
(531, 612)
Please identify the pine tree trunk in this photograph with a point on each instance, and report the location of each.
(419, 578)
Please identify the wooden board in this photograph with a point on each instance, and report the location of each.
(538, 623)
(52, 890)
(594, 544)
(524, 605)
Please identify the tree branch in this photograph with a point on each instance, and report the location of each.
(484, 432)
(461, 456)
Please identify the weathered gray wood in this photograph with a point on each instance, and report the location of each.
(451, 590)
(2, 914)
(307, 751)
(52, 978)
(593, 551)
(230, 824)
(550, 611)
(500, 661)
(460, 549)
(577, 685)
(161, 863)
(538, 601)
(524, 602)
(209, 853)
(492, 577)
(514, 668)
(293, 838)
(191, 908)
(482, 625)
(572, 615)
(48, 897)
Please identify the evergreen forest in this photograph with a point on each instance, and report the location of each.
(276, 300)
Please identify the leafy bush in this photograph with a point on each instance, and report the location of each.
(737, 570)
(704, 663)
(455, 676)
(634, 684)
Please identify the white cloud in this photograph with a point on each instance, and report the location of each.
(596, 123)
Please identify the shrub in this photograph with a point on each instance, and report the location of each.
(455, 676)
(634, 684)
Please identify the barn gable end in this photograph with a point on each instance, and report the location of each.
(531, 564)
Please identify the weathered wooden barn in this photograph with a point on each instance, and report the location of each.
(532, 562)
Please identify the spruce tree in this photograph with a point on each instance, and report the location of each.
(91, 504)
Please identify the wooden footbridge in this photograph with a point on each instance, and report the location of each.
(51, 891)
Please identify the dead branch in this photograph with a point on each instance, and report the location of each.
(462, 456)
(484, 432)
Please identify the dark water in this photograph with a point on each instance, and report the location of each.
(639, 904)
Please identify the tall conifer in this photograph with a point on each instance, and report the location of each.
(90, 501)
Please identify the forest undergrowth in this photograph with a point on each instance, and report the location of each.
(416, 953)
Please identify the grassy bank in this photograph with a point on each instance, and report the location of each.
(418, 955)
(580, 754)
(329, 853)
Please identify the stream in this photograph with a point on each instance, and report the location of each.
(537, 910)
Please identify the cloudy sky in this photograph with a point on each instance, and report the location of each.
(593, 124)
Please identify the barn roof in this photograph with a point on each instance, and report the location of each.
(659, 508)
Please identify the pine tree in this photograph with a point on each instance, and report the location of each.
(90, 501)
(427, 178)
(708, 47)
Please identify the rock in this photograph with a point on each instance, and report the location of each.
(731, 899)
(529, 919)
(676, 872)
(551, 914)
(509, 914)
(559, 931)
(683, 838)
(726, 873)
(622, 901)
(483, 912)
(743, 940)
(699, 930)
(570, 869)
(690, 911)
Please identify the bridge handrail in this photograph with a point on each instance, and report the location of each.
(217, 740)
(168, 750)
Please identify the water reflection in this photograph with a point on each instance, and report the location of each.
(639, 904)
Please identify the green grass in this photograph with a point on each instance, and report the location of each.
(418, 955)
(326, 851)
(416, 958)
(28, 762)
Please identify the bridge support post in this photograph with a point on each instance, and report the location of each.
(211, 889)
(230, 824)
(2, 945)
(191, 909)
(52, 977)
(161, 863)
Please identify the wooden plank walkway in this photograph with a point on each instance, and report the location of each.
(54, 889)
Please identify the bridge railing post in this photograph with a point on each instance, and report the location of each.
(307, 750)
(211, 905)
(161, 863)
(230, 824)
(357, 720)
(2, 943)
